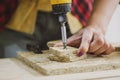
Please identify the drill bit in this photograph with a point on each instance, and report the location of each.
(64, 36)
(62, 20)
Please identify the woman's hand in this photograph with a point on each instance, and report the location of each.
(90, 39)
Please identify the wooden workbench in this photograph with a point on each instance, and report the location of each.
(14, 69)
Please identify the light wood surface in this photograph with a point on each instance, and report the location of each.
(13, 69)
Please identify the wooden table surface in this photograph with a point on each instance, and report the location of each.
(14, 69)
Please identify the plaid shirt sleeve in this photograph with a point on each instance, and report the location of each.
(82, 10)
(7, 7)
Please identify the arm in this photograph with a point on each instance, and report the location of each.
(102, 13)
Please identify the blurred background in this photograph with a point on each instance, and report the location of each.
(113, 33)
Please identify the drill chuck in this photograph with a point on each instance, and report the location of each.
(61, 6)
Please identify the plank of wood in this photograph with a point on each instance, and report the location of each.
(41, 63)
(65, 55)
(14, 69)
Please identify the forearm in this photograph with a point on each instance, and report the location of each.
(102, 13)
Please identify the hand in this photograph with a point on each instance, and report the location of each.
(90, 39)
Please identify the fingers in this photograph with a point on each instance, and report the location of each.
(97, 43)
(100, 46)
(109, 50)
(86, 39)
(74, 41)
(103, 48)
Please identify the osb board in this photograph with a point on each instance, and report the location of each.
(14, 69)
(41, 63)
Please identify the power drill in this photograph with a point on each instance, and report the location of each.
(60, 8)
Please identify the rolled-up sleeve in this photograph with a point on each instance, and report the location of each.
(82, 9)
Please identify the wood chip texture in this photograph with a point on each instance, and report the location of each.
(41, 63)
(64, 55)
